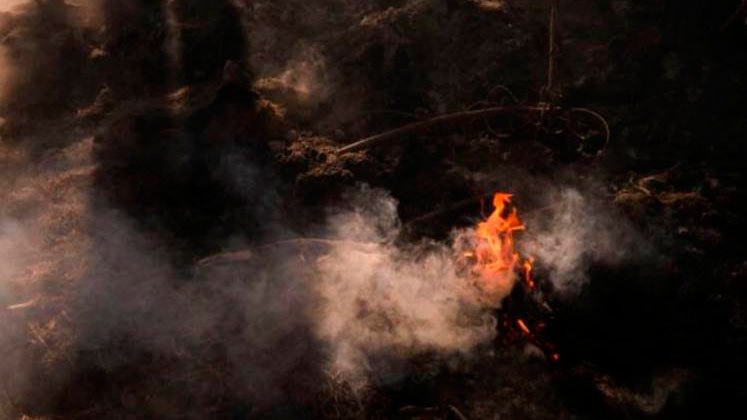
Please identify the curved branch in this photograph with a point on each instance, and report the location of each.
(602, 120)
(441, 119)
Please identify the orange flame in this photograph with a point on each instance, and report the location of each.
(497, 266)
(526, 269)
(495, 255)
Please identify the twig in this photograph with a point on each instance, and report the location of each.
(10, 401)
(505, 90)
(602, 120)
(446, 210)
(456, 412)
(424, 125)
(542, 107)
(34, 330)
(419, 126)
(390, 112)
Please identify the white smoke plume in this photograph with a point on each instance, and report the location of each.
(306, 78)
(381, 304)
(292, 62)
(81, 279)
(359, 305)
(574, 230)
(10, 5)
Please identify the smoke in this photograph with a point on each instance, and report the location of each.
(357, 303)
(571, 223)
(359, 306)
(305, 79)
(79, 281)
(573, 230)
(381, 305)
(300, 60)
(9, 5)
(88, 282)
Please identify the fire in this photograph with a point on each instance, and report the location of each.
(496, 259)
(526, 270)
(497, 266)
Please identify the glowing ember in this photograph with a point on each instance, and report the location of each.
(523, 327)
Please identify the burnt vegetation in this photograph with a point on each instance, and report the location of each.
(196, 153)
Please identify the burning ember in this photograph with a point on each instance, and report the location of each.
(497, 265)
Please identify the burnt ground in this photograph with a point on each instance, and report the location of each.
(202, 155)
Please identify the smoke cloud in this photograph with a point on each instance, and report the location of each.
(356, 304)
(381, 304)
(359, 306)
(9, 5)
(305, 79)
(574, 230)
